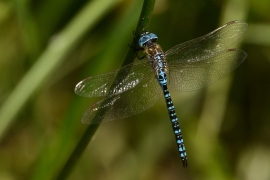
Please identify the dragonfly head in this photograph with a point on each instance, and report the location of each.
(147, 37)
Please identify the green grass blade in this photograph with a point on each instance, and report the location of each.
(51, 58)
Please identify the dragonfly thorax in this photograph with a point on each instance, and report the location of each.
(154, 52)
(156, 58)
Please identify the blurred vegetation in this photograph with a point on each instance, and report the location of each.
(48, 46)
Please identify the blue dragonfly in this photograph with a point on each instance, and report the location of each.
(189, 66)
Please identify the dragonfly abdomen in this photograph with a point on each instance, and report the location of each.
(175, 125)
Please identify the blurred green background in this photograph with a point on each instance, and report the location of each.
(48, 46)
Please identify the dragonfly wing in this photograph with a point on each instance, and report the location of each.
(209, 45)
(184, 76)
(115, 82)
(126, 104)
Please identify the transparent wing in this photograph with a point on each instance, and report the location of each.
(126, 104)
(186, 76)
(115, 82)
(207, 46)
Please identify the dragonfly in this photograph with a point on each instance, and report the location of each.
(188, 66)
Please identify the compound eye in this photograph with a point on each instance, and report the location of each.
(143, 40)
(145, 37)
(153, 36)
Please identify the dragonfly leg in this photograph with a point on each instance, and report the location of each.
(136, 50)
